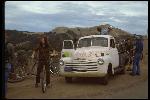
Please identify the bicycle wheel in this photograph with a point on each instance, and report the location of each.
(43, 80)
(18, 76)
(16, 80)
(55, 69)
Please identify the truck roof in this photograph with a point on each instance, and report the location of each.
(90, 36)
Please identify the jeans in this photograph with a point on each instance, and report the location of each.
(7, 71)
(40, 69)
(136, 64)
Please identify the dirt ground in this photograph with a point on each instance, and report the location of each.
(119, 86)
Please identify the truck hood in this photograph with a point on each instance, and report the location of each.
(90, 53)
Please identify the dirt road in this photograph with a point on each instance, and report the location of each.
(121, 86)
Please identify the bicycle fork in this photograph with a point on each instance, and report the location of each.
(43, 80)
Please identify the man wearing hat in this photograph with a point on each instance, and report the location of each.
(137, 56)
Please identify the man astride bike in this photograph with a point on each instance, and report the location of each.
(43, 51)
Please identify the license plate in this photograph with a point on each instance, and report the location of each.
(68, 69)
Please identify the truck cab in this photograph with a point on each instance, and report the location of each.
(95, 56)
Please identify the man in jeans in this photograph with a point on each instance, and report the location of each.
(137, 57)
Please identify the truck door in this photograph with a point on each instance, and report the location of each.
(68, 48)
(114, 54)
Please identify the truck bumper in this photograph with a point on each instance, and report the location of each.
(83, 74)
(84, 71)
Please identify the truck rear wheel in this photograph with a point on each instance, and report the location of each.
(68, 79)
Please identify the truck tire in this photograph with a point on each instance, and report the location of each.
(109, 71)
(108, 75)
(68, 79)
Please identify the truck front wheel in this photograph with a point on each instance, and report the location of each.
(68, 79)
(109, 74)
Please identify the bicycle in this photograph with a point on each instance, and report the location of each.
(43, 76)
(19, 72)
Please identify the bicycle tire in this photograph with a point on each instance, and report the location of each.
(22, 78)
(43, 86)
(17, 80)
(43, 81)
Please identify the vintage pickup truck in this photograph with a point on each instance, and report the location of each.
(95, 56)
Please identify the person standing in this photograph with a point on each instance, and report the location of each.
(137, 57)
(9, 55)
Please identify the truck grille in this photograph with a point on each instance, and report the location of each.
(82, 66)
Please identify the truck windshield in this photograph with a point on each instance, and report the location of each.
(100, 41)
(96, 41)
(86, 42)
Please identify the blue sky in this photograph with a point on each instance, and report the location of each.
(43, 16)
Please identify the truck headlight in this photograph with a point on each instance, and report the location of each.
(61, 62)
(100, 61)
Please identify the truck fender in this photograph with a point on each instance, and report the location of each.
(108, 60)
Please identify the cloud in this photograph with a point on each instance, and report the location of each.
(36, 6)
(46, 15)
(118, 20)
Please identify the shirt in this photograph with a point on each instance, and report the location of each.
(139, 46)
(43, 53)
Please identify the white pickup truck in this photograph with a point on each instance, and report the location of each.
(95, 56)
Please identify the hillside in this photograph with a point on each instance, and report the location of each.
(89, 31)
(57, 35)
